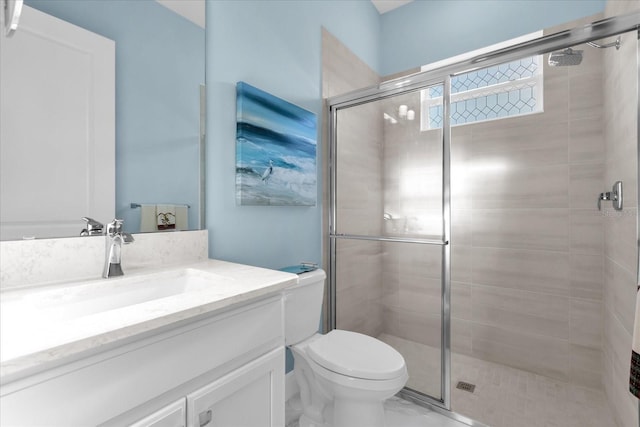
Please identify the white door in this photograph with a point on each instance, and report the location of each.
(57, 128)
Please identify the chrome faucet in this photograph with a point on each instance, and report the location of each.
(114, 239)
(93, 227)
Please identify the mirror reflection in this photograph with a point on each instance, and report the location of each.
(129, 148)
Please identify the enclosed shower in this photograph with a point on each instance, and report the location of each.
(465, 231)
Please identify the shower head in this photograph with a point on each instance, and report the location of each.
(565, 57)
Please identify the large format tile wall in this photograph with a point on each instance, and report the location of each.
(620, 244)
(413, 199)
(533, 243)
(530, 250)
(527, 245)
(359, 265)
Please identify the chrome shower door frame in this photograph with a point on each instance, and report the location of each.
(442, 75)
(445, 346)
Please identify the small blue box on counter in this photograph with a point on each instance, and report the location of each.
(304, 267)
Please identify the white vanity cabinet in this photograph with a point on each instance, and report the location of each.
(172, 415)
(243, 398)
(228, 363)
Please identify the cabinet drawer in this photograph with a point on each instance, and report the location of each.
(173, 415)
(251, 396)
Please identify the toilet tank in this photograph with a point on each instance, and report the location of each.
(303, 306)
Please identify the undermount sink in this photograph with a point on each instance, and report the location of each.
(97, 296)
(25, 315)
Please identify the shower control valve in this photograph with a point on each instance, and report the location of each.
(615, 195)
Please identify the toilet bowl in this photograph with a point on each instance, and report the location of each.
(344, 377)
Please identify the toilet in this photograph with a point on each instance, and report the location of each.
(344, 377)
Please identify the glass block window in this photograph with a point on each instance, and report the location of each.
(503, 90)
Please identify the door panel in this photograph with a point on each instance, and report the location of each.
(58, 114)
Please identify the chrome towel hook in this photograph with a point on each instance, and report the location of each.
(615, 195)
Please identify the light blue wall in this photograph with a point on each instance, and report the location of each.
(423, 31)
(159, 70)
(276, 47)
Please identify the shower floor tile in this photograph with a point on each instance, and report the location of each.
(504, 396)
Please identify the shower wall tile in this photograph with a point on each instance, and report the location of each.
(587, 231)
(535, 353)
(357, 221)
(391, 321)
(404, 259)
(522, 311)
(584, 101)
(556, 95)
(358, 264)
(527, 240)
(586, 140)
(461, 163)
(536, 271)
(461, 336)
(522, 141)
(360, 196)
(501, 185)
(587, 275)
(586, 366)
(621, 242)
(620, 293)
(536, 236)
(584, 180)
(461, 301)
(358, 311)
(620, 76)
(461, 263)
(342, 70)
(359, 288)
(586, 323)
(544, 229)
(461, 227)
(421, 328)
(617, 362)
(421, 296)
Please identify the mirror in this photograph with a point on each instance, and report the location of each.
(159, 120)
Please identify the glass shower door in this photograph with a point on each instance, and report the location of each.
(389, 257)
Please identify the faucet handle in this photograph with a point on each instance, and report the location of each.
(93, 227)
(115, 226)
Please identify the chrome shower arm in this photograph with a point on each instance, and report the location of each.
(604, 46)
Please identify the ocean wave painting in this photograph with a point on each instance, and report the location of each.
(275, 150)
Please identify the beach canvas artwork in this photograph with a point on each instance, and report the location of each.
(275, 150)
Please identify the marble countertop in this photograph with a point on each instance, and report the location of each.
(55, 323)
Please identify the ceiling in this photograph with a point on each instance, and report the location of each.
(193, 10)
(384, 6)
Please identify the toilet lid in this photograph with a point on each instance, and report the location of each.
(356, 355)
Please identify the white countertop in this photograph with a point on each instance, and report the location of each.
(30, 338)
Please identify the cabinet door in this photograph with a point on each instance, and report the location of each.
(173, 415)
(250, 396)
